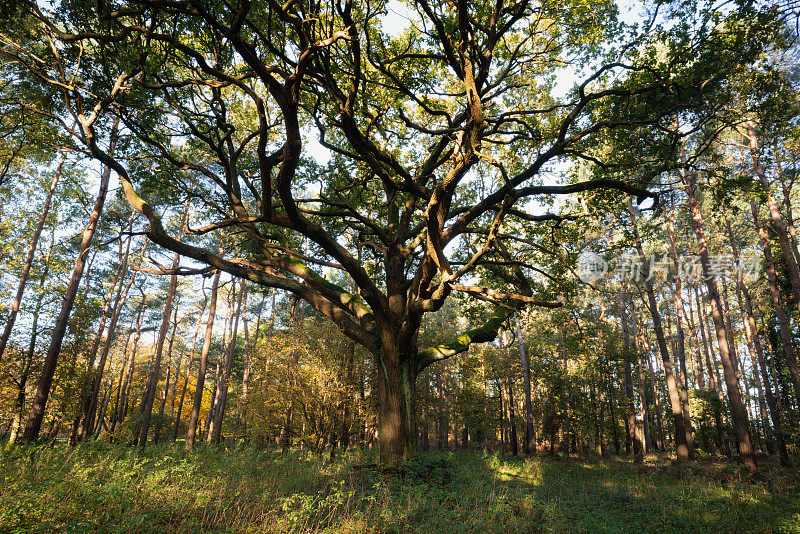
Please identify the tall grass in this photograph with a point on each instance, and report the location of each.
(101, 488)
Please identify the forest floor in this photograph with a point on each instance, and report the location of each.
(108, 488)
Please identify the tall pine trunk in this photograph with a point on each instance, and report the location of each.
(26, 269)
(641, 383)
(197, 400)
(222, 388)
(777, 302)
(672, 387)
(86, 386)
(677, 297)
(249, 345)
(160, 422)
(789, 252)
(738, 411)
(36, 415)
(700, 378)
(512, 419)
(27, 365)
(189, 367)
(90, 407)
(285, 438)
(126, 388)
(530, 429)
(634, 436)
(155, 370)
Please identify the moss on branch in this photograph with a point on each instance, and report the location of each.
(483, 334)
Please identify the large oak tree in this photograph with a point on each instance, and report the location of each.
(440, 140)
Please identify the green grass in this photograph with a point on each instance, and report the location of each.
(102, 488)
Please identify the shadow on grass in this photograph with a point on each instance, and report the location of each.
(615, 496)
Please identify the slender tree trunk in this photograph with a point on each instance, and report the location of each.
(567, 400)
(780, 312)
(530, 428)
(126, 388)
(681, 431)
(512, 420)
(120, 380)
(789, 252)
(600, 410)
(344, 434)
(773, 400)
(681, 338)
(160, 422)
(88, 379)
(152, 381)
(19, 405)
(189, 365)
(176, 416)
(634, 431)
(178, 369)
(101, 423)
(613, 414)
(441, 423)
(713, 365)
(722, 443)
(333, 442)
(656, 441)
(163, 406)
(97, 376)
(248, 349)
(179, 412)
(787, 201)
(120, 396)
(485, 398)
(726, 309)
(643, 401)
(26, 269)
(197, 400)
(756, 351)
(656, 399)
(512, 425)
(738, 411)
(285, 438)
(780, 390)
(504, 442)
(36, 414)
(700, 378)
(155, 372)
(222, 388)
(27, 366)
(701, 320)
(212, 407)
(597, 414)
